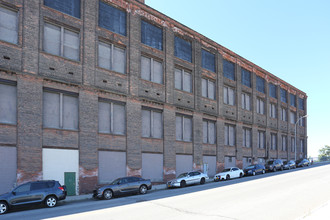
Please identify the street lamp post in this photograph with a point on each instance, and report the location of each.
(295, 136)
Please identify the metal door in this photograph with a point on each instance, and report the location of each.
(70, 183)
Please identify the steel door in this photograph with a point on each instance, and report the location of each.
(70, 183)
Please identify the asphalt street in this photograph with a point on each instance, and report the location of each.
(282, 195)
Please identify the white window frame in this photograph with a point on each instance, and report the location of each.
(208, 83)
(292, 144)
(226, 95)
(152, 135)
(228, 140)
(272, 110)
(183, 128)
(14, 39)
(273, 141)
(7, 105)
(284, 114)
(246, 101)
(112, 116)
(284, 142)
(260, 106)
(183, 86)
(152, 70)
(261, 144)
(209, 133)
(112, 49)
(292, 117)
(247, 137)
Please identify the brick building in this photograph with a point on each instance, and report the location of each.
(93, 90)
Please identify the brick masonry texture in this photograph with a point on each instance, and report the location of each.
(33, 69)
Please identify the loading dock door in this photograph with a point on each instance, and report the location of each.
(184, 163)
(8, 166)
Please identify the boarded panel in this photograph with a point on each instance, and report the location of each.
(152, 167)
(212, 164)
(247, 161)
(8, 166)
(230, 162)
(112, 165)
(184, 163)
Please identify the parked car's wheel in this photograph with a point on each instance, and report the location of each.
(228, 177)
(274, 169)
(143, 189)
(51, 201)
(240, 175)
(107, 194)
(253, 173)
(263, 171)
(3, 208)
(202, 181)
(182, 183)
(281, 168)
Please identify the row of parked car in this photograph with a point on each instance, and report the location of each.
(49, 192)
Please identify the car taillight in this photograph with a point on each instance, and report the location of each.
(61, 188)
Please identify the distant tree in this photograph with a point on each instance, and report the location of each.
(324, 153)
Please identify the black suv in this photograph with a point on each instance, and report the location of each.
(45, 191)
(274, 165)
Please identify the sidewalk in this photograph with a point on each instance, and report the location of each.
(318, 213)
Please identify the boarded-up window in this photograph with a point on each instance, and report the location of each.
(183, 80)
(260, 84)
(60, 110)
(112, 18)
(228, 96)
(8, 25)
(284, 142)
(183, 128)
(151, 35)
(8, 167)
(246, 77)
(209, 132)
(112, 118)
(184, 163)
(208, 60)
(246, 101)
(228, 69)
(71, 7)
(230, 162)
(302, 145)
(261, 139)
(182, 49)
(272, 90)
(293, 144)
(61, 42)
(247, 139)
(152, 123)
(8, 106)
(111, 166)
(152, 167)
(273, 141)
(230, 135)
(112, 57)
(151, 70)
(208, 89)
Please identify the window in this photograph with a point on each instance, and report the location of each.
(112, 18)
(272, 110)
(151, 35)
(260, 106)
(208, 60)
(23, 188)
(209, 132)
(293, 100)
(183, 80)
(182, 49)
(228, 69)
(292, 144)
(8, 103)
(273, 141)
(292, 117)
(152, 123)
(70, 7)
(272, 90)
(60, 109)
(302, 144)
(183, 128)
(301, 104)
(284, 114)
(228, 96)
(151, 70)
(283, 96)
(284, 142)
(61, 42)
(112, 117)
(230, 135)
(301, 121)
(246, 101)
(112, 57)
(261, 139)
(208, 89)
(8, 25)
(260, 84)
(246, 77)
(247, 139)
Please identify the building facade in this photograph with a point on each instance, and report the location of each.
(94, 90)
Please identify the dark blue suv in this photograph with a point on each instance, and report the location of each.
(45, 191)
(254, 169)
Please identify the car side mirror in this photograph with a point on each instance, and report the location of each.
(14, 193)
(118, 183)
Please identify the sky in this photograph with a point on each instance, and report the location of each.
(288, 38)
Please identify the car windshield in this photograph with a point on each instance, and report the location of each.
(116, 181)
(226, 170)
(285, 162)
(270, 162)
(250, 167)
(298, 161)
(182, 175)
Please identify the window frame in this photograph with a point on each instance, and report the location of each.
(16, 11)
(183, 117)
(261, 144)
(246, 78)
(208, 134)
(182, 74)
(204, 65)
(72, 15)
(152, 69)
(158, 47)
(284, 95)
(284, 142)
(229, 142)
(152, 111)
(260, 110)
(112, 49)
(272, 110)
(258, 86)
(13, 84)
(208, 82)
(226, 74)
(247, 142)
(178, 39)
(284, 114)
(228, 96)
(246, 106)
(272, 90)
(293, 100)
(273, 141)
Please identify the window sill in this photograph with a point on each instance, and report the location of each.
(61, 129)
(152, 138)
(111, 71)
(61, 57)
(11, 44)
(112, 134)
(154, 83)
(188, 93)
(8, 124)
(184, 142)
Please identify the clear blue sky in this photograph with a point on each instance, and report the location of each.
(288, 38)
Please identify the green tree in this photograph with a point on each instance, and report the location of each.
(324, 153)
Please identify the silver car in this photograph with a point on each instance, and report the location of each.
(188, 178)
(120, 186)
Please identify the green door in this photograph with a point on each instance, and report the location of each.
(70, 183)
